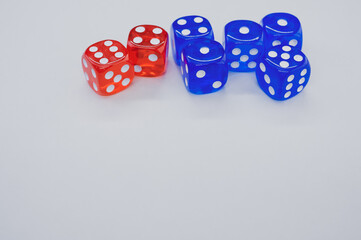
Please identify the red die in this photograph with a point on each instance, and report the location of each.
(148, 50)
(106, 67)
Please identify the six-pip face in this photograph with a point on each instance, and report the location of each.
(106, 67)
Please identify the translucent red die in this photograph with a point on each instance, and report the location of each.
(107, 68)
(148, 50)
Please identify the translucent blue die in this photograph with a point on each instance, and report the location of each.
(243, 45)
(203, 67)
(187, 29)
(282, 29)
(283, 72)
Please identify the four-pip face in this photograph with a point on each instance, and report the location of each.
(187, 29)
(148, 50)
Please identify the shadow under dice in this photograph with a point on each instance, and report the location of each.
(106, 67)
(243, 44)
(203, 67)
(187, 29)
(283, 72)
(148, 50)
(282, 29)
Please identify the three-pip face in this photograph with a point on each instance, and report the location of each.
(203, 67)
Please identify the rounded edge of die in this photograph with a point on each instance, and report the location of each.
(281, 22)
(193, 51)
(243, 30)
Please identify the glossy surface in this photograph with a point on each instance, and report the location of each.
(106, 67)
(203, 67)
(187, 29)
(243, 45)
(282, 29)
(148, 50)
(283, 72)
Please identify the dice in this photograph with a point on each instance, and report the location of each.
(203, 67)
(243, 45)
(148, 50)
(283, 72)
(187, 29)
(106, 67)
(282, 29)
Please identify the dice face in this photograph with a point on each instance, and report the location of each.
(243, 45)
(106, 67)
(282, 29)
(283, 72)
(187, 29)
(148, 50)
(203, 67)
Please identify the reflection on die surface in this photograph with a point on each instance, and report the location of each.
(106, 67)
(148, 50)
(283, 73)
(203, 67)
(187, 29)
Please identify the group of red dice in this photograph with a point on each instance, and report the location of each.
(109, 67)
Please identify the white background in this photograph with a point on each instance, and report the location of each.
(155, 162)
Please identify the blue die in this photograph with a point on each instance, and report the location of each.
(282, 29)
(185, 30)
(203, 66)
(283, 72)
(243, 45)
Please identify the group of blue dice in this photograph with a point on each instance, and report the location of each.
(272, 49)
